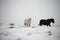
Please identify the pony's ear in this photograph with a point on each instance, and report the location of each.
(51, 18)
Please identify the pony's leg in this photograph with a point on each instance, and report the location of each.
(29, 25)
(49, 25)
(40, 24)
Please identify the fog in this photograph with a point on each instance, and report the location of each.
(15, 11)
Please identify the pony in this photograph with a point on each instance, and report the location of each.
(27, 22)
(46, 22)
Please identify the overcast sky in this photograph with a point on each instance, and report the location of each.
(15, 11)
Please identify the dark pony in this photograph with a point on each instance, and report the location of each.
(46, 22)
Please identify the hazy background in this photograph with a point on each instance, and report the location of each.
(15, 11)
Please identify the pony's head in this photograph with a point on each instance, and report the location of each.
(52, 20)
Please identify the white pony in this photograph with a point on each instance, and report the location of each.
(27, 22)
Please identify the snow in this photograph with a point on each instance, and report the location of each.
(29, 33)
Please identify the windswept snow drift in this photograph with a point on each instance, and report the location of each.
(29, 33)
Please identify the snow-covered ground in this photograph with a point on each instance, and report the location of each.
(29, 33)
